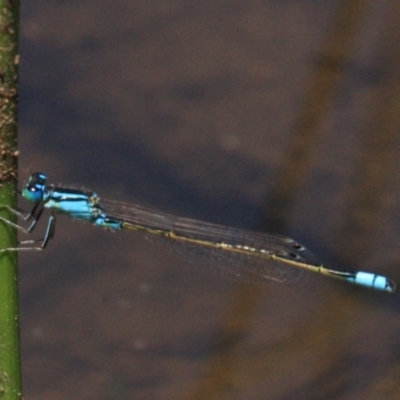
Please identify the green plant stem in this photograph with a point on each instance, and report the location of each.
(10, 362)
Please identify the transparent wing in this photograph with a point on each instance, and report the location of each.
(237, 253)
(235, 266)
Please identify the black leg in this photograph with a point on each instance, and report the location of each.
(35, 214)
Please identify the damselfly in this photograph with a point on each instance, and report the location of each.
(246, 255)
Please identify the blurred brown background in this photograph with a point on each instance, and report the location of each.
(280, 116)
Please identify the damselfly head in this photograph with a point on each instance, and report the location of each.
(33, 190)
(38, 178)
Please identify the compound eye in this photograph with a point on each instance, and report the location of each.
(33, 193)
